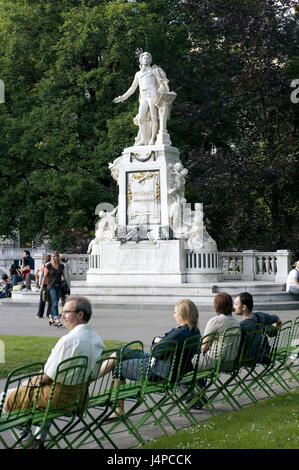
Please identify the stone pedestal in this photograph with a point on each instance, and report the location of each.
(143, 188)
(147, 240)
(137, 264)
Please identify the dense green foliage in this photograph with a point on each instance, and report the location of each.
(231, 63)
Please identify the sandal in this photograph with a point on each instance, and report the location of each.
(58, 323)
(51, 322)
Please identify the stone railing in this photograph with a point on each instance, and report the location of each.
(242, 265)
(253, 265)
(78, 264)
(199, 261)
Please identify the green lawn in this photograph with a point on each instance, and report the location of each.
(21, 350)
(271, 424)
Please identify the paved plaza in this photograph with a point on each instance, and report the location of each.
(122, 323)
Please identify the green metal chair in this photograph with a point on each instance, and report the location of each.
(291, 366)
(257, 377)
(208, 367)
(250, 354)
(129, 391)
(22, 406)
(67, 400)
(159, 379)
(275, 376)
(87, 428)
(183, 384)
(228, 368)
(285, 372)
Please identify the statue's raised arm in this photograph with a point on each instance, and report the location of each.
(154, 102)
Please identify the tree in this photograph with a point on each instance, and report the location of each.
(241, 53)
(231, 64)
(61, 128)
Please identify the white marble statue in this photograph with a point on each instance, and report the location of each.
(114, 168)
(105, 228)
(153, 235)
(176, 194)
(177, 174)
(196, 234)
(155, 102)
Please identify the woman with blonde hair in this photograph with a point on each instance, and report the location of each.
(55, 273)
(186, 318)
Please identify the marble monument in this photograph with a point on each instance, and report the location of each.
(152, 237)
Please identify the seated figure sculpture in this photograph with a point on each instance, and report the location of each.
(196, 234)
(106, 228)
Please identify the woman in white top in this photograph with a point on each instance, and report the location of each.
(293, 279)
(210, 350)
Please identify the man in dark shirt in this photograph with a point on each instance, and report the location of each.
(29, 262)
(253, 321)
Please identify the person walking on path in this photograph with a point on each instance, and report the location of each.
(43, 295)
(55, 272)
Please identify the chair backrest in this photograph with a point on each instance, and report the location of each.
(229, 349)
(251, 347)
(102, 386)
(23, 399)
(161, 363)
(130, 366)
(295, 334)
(270, 345)
(285, 336)
(207, 360)
(191, 348)
(133, 352)
(69, 388)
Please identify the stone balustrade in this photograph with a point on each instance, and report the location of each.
(253, 265)
(200, 261)
(78, 263)
(247, 265)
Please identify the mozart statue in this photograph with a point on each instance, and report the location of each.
(155, 102)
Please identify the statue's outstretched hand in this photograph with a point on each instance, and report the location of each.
(118, 99)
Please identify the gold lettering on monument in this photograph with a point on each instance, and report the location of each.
(143, 197)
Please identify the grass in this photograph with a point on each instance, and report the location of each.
(270, 424)
(21, 350)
